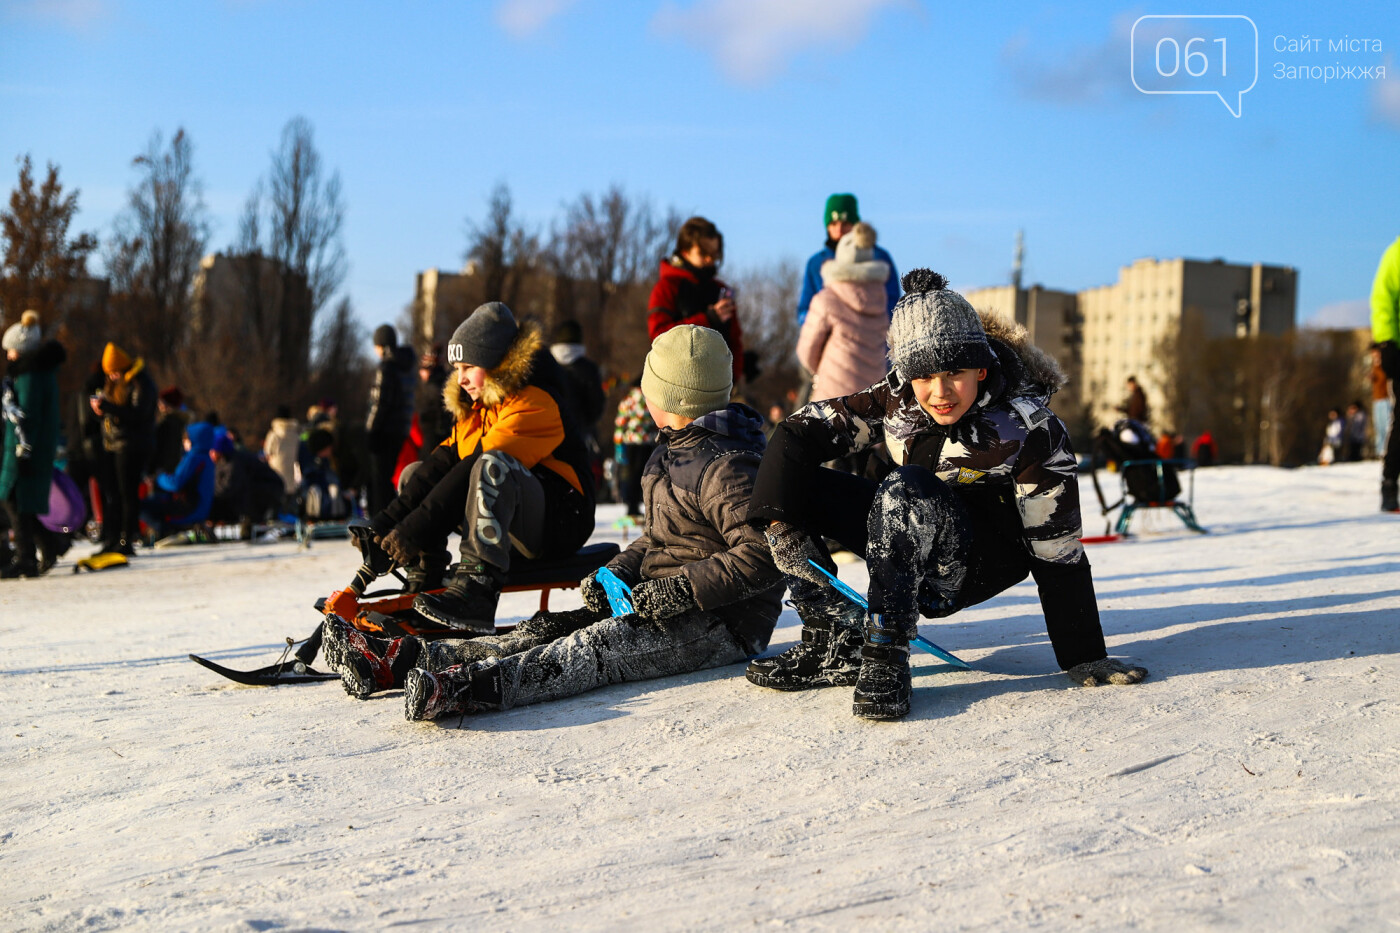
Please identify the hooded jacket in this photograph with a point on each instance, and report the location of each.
(282, 446)
(684, 294)
(519, 413)
(697, 486)
(1008, 459)
(35, 378)
(843, 338)
(192, 482)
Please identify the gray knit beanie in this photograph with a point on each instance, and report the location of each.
(484, 337)
(935, 330)
(23, 336)
(689, 371)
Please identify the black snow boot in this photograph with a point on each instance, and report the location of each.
(468, 603)
(19, 568)
(464, 688)
(885, 686)
(367, 663)
(428, 573)
(829, 653)
(1389, 500)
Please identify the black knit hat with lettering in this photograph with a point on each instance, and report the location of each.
(935, 330)
(484, 337)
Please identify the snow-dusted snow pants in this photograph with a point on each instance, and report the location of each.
(610, 651)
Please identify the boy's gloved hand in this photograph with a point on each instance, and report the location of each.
(1105, 671)
(594, 596)
(792, 549)
(661, 599)
(401, 549)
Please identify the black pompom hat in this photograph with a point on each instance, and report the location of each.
(935, 330)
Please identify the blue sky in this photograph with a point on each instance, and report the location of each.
(955, 125)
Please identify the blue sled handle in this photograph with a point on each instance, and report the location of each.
(845, 590)
(619, 593)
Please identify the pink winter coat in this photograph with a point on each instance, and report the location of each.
(843, 338)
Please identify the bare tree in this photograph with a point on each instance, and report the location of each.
(504, 253)
(40, 261)
(293, 218)
(155, 252)
(767, 298)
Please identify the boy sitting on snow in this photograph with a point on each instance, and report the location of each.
(513, 474)
(983, 492)
(704, 588)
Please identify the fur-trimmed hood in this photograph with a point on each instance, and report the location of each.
(1029, 371)
(510, 376)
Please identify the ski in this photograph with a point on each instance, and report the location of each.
(290, 671)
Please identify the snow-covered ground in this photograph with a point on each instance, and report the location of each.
(1251, 783)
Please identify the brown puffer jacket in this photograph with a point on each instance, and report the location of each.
(697, 487)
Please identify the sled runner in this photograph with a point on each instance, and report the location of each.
(391, 612)
(845, 590)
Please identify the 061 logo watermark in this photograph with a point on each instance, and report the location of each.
(1212, 54)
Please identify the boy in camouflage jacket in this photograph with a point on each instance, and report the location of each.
(984, 491)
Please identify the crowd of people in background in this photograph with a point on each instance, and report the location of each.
(144, 463)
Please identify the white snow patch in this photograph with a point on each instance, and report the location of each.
(1248, 783)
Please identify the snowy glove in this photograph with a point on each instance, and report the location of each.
(792, 549)
(401, 549)
(594, 596)
(1105, 671)
(663, 598)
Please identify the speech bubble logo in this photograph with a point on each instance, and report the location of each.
(1208, 54)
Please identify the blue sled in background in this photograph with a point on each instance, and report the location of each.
(859, 600)
(619, 593)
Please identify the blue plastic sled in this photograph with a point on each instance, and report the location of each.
(919, 640)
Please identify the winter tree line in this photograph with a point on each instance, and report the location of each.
(283, 342)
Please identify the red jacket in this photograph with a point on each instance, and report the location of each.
(686, 295)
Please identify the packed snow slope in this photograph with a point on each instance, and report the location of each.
(1250, 783)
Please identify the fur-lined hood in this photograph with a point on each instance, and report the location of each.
(510, 376)
(855, 260)
(1032, 372)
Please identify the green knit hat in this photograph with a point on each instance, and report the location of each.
(841, 207)
(689, 371)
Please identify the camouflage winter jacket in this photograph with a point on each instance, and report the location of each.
(1009, 449)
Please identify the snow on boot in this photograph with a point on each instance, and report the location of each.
(829, 653)
(885, 686)
(465, 688)
(468, 603)
(365, 662)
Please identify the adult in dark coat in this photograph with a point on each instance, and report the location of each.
(434, 420)
(127, 404)
(390, 411)
(31, 439)
(172, 419)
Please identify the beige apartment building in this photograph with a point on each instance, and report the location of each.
(1103, 335)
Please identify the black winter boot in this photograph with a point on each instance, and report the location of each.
(885, 686)
(365, 662)
(829, 653)
(1390, 501)
(468, 603)
(19, 568)
(428, 573)
(465, 688)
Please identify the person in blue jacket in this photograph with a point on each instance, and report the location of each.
(841, 215)
(183, 498)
